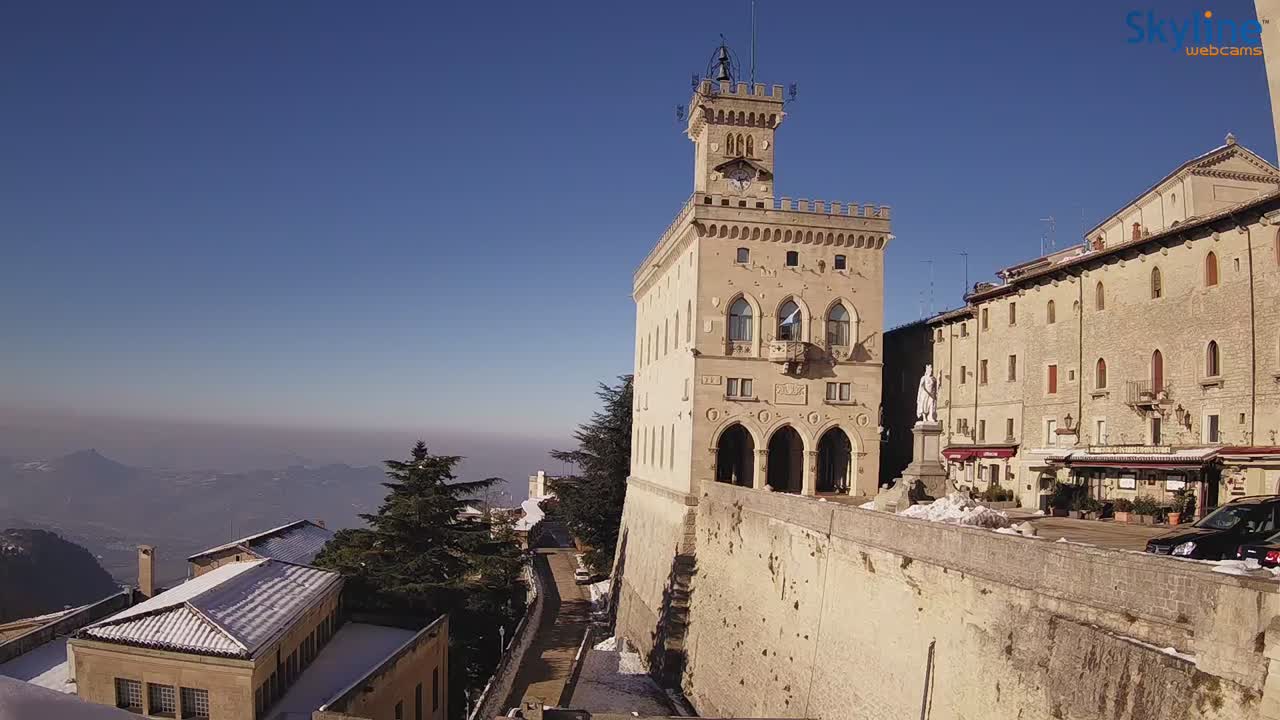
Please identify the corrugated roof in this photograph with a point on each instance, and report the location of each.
(232, 611)
(297, 542)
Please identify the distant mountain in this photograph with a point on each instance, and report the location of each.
(110, 507)
(41, 573)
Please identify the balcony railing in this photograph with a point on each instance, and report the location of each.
(1143, 393)
(790, 354)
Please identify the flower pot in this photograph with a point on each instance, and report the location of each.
(1175, 518)
(1059, 512)
(1146, 520)
(1123, 517)
(1074, 514)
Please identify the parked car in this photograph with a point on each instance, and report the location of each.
(1244, 521)
(582, 576)
(1266, 552)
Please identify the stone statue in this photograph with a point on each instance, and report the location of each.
(927, 397)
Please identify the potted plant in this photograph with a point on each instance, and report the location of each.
(1146, 507)
(1123, 508)
(1184, 502)
(1090, 507)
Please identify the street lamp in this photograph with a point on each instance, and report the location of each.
(502, 640)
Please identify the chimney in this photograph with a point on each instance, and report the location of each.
(321, 524)
(146, 570)
(1137, 231)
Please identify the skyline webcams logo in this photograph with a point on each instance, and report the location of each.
(1200, 35)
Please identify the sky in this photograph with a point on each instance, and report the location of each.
(424, 216)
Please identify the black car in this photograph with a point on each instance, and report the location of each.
(1266, 552)
(1244, 521)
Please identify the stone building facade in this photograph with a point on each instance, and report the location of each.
(1144, 360)
(758, 348)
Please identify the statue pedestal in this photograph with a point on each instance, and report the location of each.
(925, 478)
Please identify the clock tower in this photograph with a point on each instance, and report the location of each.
(732, 127)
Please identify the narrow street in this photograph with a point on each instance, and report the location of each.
(566, 612)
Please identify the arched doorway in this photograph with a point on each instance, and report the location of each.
(786, 460)
(835, 462)
(735, 457)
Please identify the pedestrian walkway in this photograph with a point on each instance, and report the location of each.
(566, 612)
(1103, 533)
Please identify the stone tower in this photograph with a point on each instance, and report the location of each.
(758, 354)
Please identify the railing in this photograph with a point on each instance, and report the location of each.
(1143, 393)
(787, 351)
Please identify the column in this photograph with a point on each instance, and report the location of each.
(810, 485)
(762, 468)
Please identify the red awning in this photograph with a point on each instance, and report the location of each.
(962, 453)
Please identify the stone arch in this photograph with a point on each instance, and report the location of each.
(735, 455)
(837, 470)
(784, 471)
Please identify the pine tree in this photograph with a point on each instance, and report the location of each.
(591, 500)
(419, 557)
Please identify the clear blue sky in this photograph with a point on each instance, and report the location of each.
(423, 214)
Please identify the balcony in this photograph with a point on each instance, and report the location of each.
(1143, 394)
(790, 354)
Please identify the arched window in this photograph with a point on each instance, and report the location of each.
(1278, 247)
(1100, 374)
(1157, 371)
(790, 324)
(1210, 269)
(720, 117)
(740, 321)
(838, 326)
(751, 147)
(675, 335)
(1050, 313)
(1100, 297)
(1157, 289)
(742, 117)
(688, 322)
(1212, 360)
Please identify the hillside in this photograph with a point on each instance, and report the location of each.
(110, 508)
(40, 573)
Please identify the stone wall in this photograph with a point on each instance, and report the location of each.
(654, 541)
(809, 609)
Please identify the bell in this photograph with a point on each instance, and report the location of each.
(722, 61)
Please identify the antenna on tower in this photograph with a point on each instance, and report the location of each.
(753, 43)
(1051, 227)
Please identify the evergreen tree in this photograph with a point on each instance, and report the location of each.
(420, 557)
(591, 500)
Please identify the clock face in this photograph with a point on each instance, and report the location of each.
(739, 177)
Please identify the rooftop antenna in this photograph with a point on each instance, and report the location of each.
(965, 255)
(1048, 235)
(753, 43)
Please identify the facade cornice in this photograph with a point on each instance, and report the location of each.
(782, 220)
(1186, 231)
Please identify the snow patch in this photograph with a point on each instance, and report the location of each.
(958, 509)
(611, 644)
(1244, 568)
(868, 505)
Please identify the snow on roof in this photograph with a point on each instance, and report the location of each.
(532, 515)
(232, 611)
(355, 650)
(297, 542)
(45, 666)
(23, 701)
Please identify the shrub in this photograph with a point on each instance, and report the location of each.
(1184, 501)
(1064, 495)
(1123, 505)
(995, 493)
(1146, 505)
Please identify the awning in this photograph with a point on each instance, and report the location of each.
(962, 453)
(1179, 459)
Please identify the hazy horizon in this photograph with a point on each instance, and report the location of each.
(165, 443)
